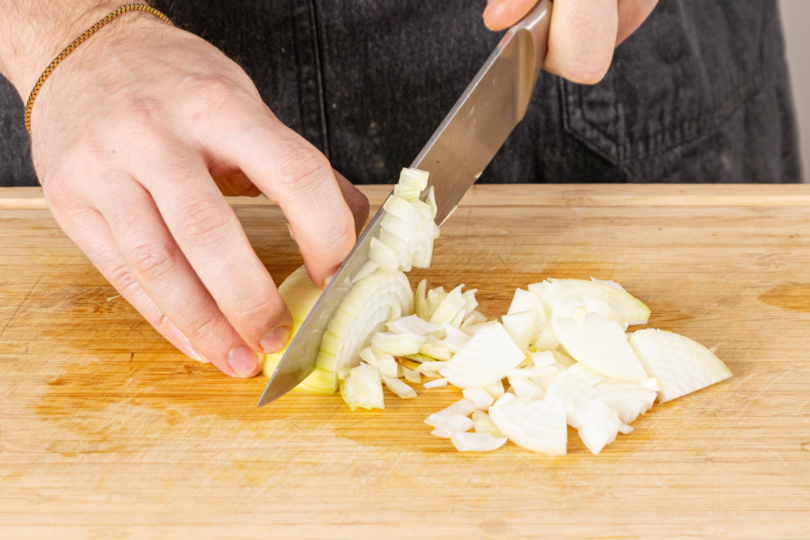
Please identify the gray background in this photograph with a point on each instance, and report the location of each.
(795, 16)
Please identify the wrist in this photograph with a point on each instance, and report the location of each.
(26, 52)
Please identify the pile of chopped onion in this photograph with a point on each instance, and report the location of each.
(562, 347)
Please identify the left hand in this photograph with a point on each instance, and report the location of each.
(583, 32)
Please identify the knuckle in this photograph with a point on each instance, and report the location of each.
(152, 260)
(202, 329)
(204, 220)
(58, 191)
(218, 93)
(259, 308)
(304, 169)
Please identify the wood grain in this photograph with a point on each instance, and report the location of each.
(107, 432)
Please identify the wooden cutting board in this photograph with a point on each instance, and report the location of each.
(107, 432)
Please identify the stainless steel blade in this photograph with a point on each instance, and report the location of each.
(460, 149)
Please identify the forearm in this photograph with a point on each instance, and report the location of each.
(32, 32)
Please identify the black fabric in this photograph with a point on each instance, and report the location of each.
(699, 94)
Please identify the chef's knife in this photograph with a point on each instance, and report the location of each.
(463, 145)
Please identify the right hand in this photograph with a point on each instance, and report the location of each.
(136, 137)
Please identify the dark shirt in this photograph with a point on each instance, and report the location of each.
(699, 94)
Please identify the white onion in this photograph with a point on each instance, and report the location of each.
(476, 442)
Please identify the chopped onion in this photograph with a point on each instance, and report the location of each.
(470, 303)
(449, 307)
(525, 388)
(366, 270)
(412, 324)
(495, 390)
(453, 419)
(454, 339)
(682, 366)
(435, 348)
(624, 308)
(534, 425)
(652, 383)
(436, 383)
(600, 344)
(484, 360)
(479, 397)
(596, 423)
(608, 282)
(363, 388)
(543, 358)
(420, 304)
(411, 375)
(546, 341)
(628, 399)
(474, 318)
(625, 429)
(520, 327)
(430, 367)
(399, 388)
(484, 424)
(385, 257)
(397, 344)
(476, 442)
(586, 374)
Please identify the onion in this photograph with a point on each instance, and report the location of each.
(484, 360)
(520, 327)
(534, 425)
(413, 325)
(397, 344)
(681, 365)
(436, 383)
(476, 442)
(600, 344)
(399, 388)
(484, 424)
(479, 397)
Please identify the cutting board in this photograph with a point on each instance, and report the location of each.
(107, 432)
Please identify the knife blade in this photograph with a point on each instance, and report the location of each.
(459, 150)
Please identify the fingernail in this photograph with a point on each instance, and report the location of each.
(275, 340)
(194, 355)
(243, 361)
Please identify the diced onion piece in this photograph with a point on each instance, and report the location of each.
(495, 390)
(681, 365)
(525, 388)
(479, 397)
(484, 424)
(521, 327)
(546, 341)
(625, 429)
(458, 319)
(430, 367)
(440, 433)
(534, 425)
(363, 388)
(533, 371)
(366, 270)
(343, 373)
(600, 344)
(454, 339)
(474, 318)
(556, 304)
(368, 356)
(651, 383)
(411, 375)
(430, 199)
(628, 399)
(449, 307)
(420, 303)
(433, 299)
(596, 423)
(397, 344)
(385, 257)
(470, 303)
(475, 328)
(527, 301)
(436, 383)
(543, 358)
(586, 374)
(476, 442)
(413, 178)
(387, 365)
(435, 348)
(484, 360)
(454, 418)
(412, 325)
(399, 207)
(399, 388)
(625, 308)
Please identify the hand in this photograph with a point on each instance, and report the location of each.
(583, 32)
(136, 137)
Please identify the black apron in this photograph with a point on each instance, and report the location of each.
(699, 94)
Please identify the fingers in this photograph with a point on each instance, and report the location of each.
(631, 14)
(292, 172)
(581, 39)
(501, 14)
(213, 242)
(88, 229)
(159, 265)
(357, 202)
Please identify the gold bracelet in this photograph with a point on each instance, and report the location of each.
(78, 41)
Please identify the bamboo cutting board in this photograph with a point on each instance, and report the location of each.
(107, 432)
